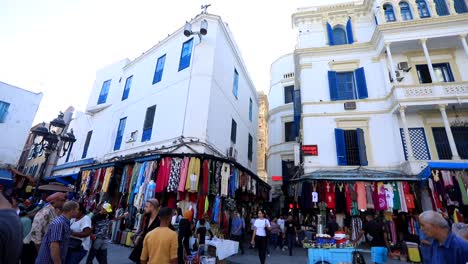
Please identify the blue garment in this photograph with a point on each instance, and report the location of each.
(232, 183)
(379, 254)
(453, 250)
(236, 223)
(425, 249)
(216, 209)
(150, 190)
(58, 231)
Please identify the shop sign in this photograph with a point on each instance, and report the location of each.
(277, 178)
(310, 150)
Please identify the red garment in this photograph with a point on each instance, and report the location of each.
(349, 201)
(205, 178)
(201, 206)
(330, 195)
(129, 178)
(409, 199)
(192, 197)
(172, 201)
(163, 174)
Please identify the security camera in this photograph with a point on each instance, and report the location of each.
(204, 27)
(187, 29)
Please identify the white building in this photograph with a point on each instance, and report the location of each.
(18, 108)
(184, 95)
(370, 75)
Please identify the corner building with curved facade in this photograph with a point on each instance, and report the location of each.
(383, 87)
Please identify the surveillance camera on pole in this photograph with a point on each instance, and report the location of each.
(203, 29)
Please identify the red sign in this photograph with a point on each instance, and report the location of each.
(310, 150)
(277, 178)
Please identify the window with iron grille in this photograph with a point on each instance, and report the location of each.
(148, 124)
(418, 143)
(350, 147)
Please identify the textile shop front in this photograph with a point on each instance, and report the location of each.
(348, 196)
(204, 184)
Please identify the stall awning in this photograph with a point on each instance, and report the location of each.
(426, 172)
(103, 165)
(78, 163)
(65, 179)
(359, 174)
(6, 177)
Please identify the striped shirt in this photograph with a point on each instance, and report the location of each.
(59, 231)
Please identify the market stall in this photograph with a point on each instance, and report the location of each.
(202, 184)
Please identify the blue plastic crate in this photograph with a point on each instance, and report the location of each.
(343, 255)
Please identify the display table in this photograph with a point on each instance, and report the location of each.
(332, 256)
(224, 248)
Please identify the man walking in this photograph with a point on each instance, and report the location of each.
(237, 229)
(160, 245)
(55, 243)
(10, 233)
(375, 233)
(290, 233)
(446, 247)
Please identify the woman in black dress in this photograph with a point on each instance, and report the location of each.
(185, 232)
(151, 222)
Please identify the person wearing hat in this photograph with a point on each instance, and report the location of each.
(101, 222)
(40, 224)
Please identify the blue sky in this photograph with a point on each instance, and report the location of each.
(56, 46)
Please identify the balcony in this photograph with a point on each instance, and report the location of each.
(430, 91)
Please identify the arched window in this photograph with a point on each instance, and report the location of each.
(460, 6)
(441, 7)
(389, 13)
(339, 36)
(423, 8)
(405, 11)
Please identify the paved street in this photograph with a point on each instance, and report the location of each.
(119, 255)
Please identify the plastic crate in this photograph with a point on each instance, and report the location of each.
(338, 255)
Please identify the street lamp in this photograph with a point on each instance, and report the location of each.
(47, 140)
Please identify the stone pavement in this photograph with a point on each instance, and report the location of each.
(119, 255)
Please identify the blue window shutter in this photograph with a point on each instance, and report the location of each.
(186, 54)
(120, 132)
(148, 124)
(460, 6)
(330, 35)
(441, 7)
(376, 22)
(361, 83)
(128, 85)
(3, 110)
(104, 92)
(349, 31)
(158, 72)
(362, 147)
(332, 85)
(340, 146)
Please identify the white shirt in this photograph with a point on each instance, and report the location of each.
(79, 226)
(260, 225)
(281, 224)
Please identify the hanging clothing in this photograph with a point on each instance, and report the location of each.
(164, 171)
(356, 227)
(150, 191)
(217, 210)
(123, 180)
(396, 197)
(401, 193)
(389, 196)
(225, 174)
(232, 182)
(463, 190)
(330, 195)
(219, 166)
(193, 175)
(206, 178)
(174, 175)
(361, 195)
(183, 173)
(340, 198)
(131, 190)
(447, 178)
(369, 196)
(349, 201)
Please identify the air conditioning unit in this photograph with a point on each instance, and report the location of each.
(231, 152)
(398, 76)
(404, 66)
(131, 137)
(350, 105)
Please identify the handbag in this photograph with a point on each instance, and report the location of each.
(358, 258)
(74, 243)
